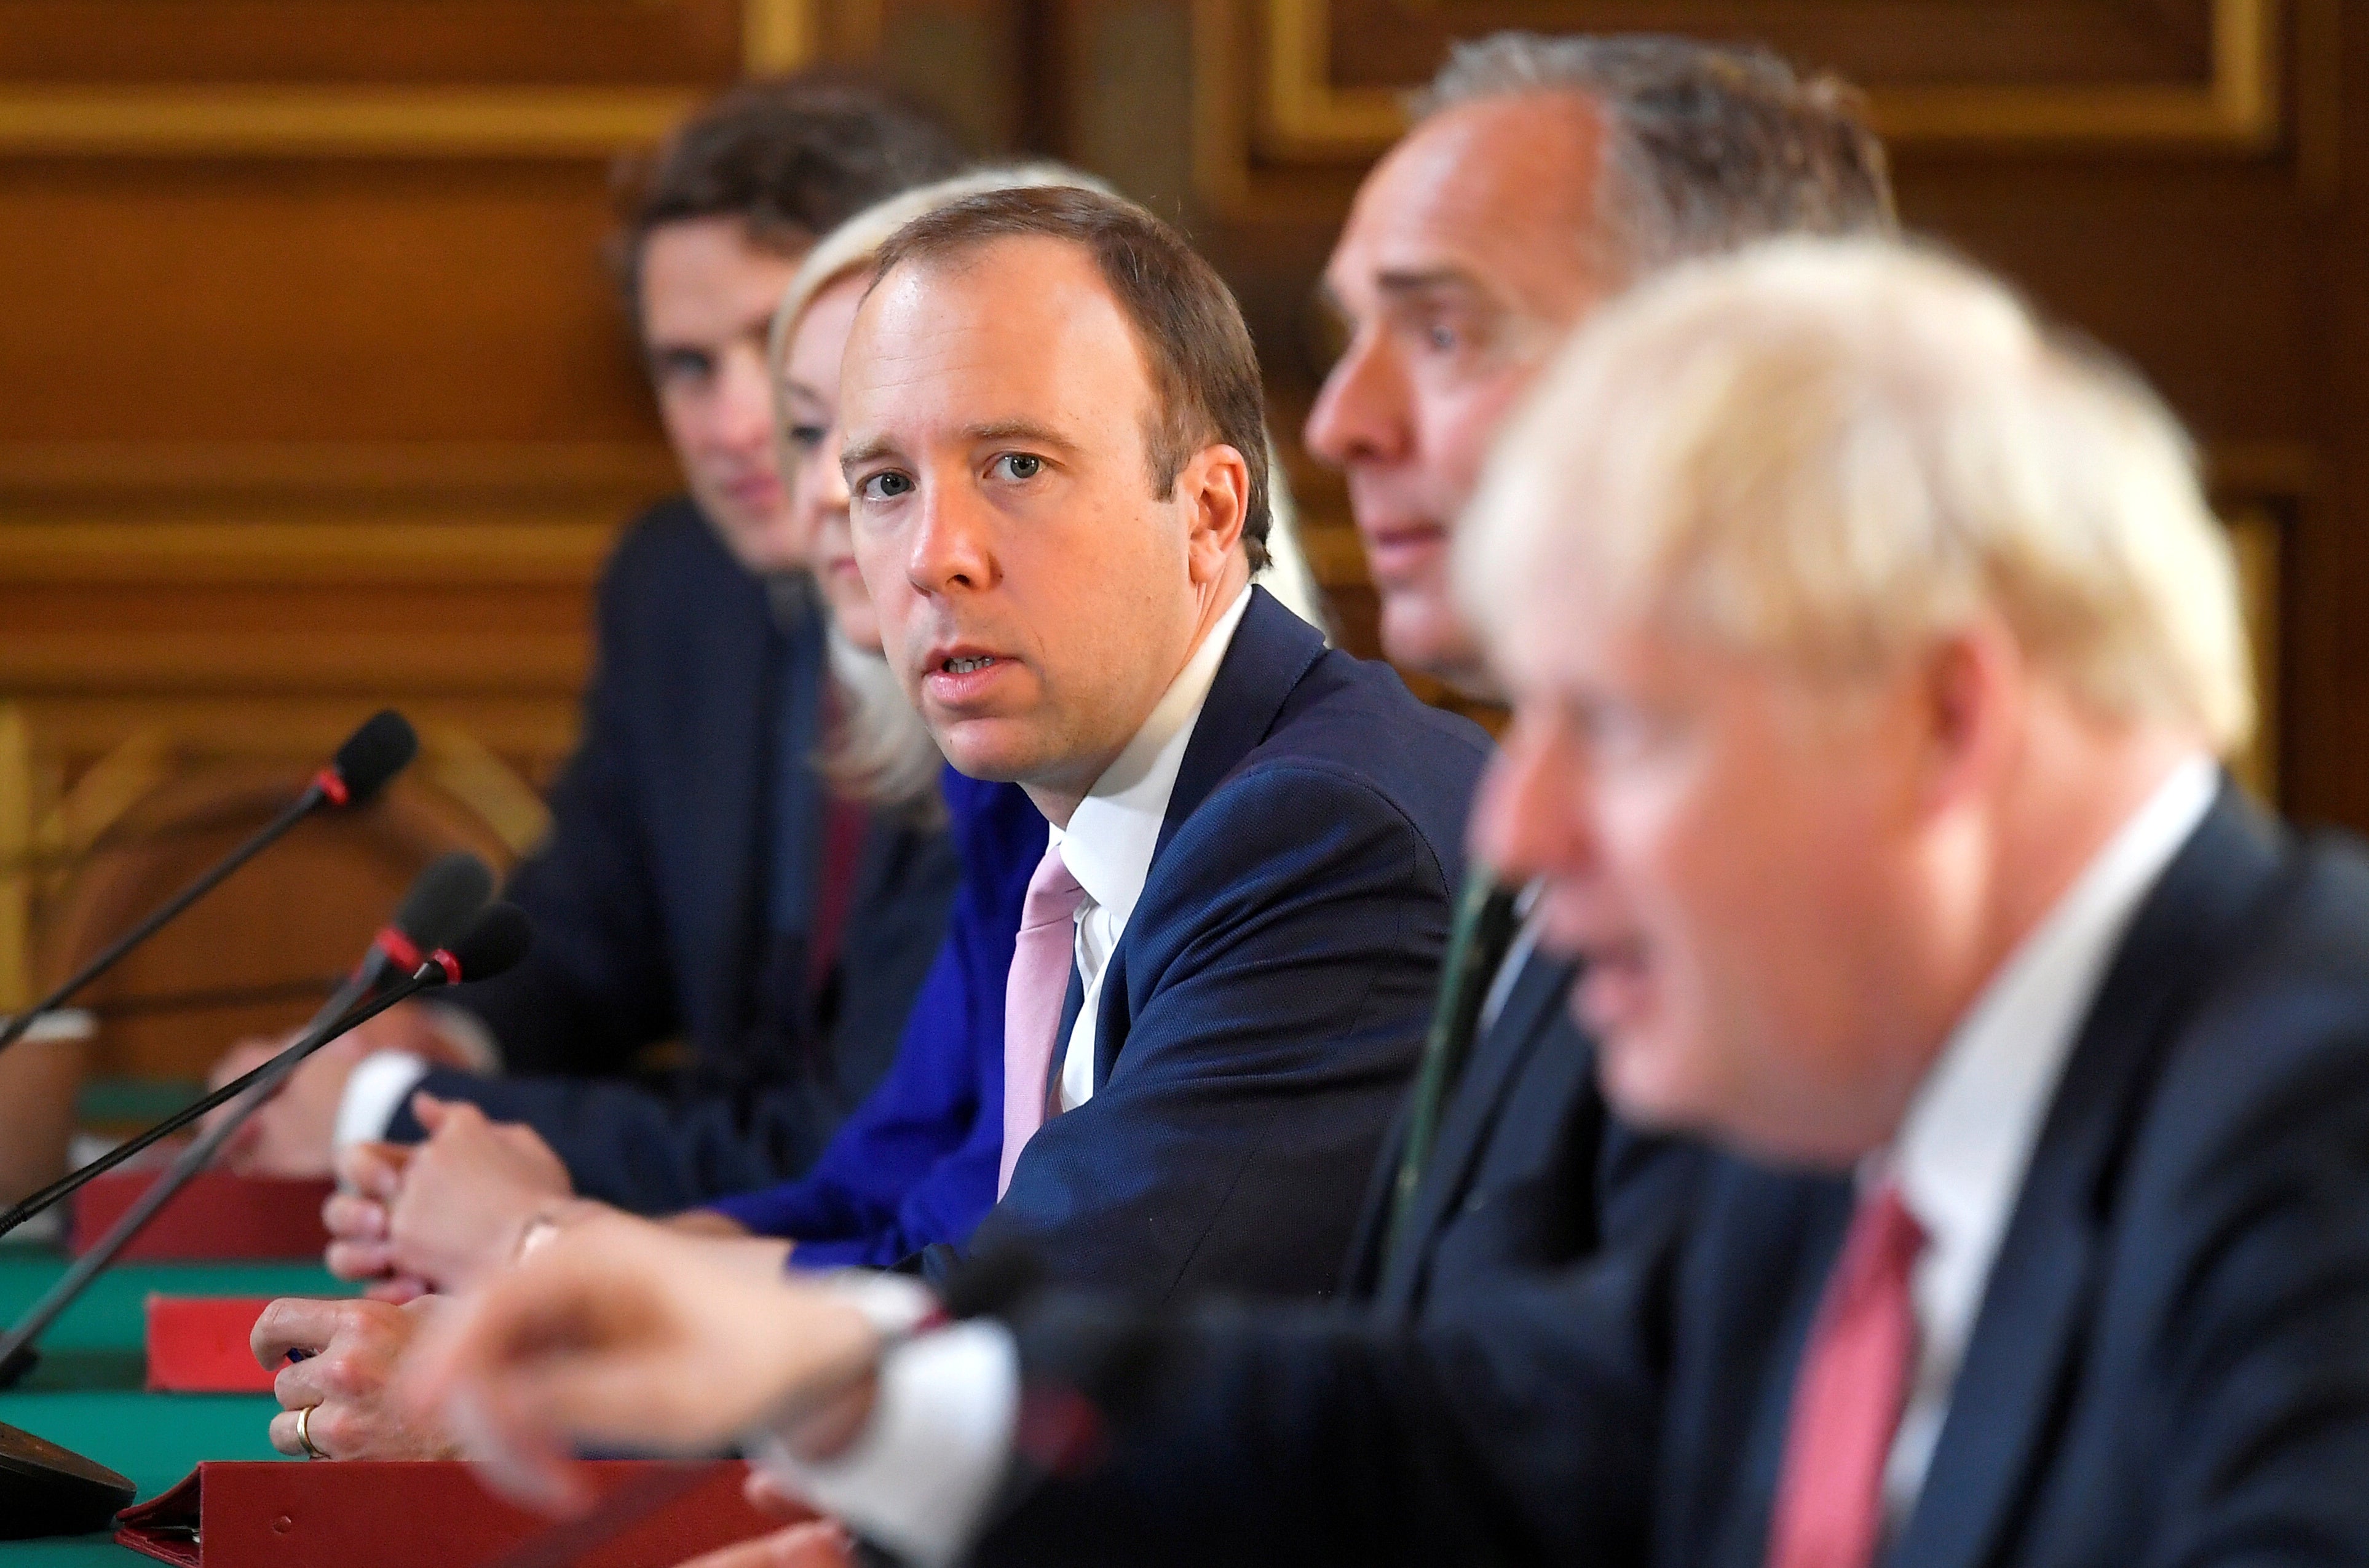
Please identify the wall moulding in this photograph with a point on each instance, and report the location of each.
(259, 121)
(1265, 100)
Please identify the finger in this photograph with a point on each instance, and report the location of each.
(283, 1436)
(429, 1111)
(292, 1322)
(350, 1218)
(769, 1497)
(373, 1170)
(401, 1290)
(360, 1260)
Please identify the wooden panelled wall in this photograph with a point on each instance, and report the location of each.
(317, 396)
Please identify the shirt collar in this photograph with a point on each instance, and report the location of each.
(1109, 844)
(1963, 1149)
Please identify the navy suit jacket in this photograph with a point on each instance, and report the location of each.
(1264, 1008)
(1512, 1181)
(648, 905)
(2170, 1364)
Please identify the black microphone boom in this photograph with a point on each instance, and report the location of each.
(499, 939)
(441, 905)
(371, 755)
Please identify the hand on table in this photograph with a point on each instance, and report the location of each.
(352, 1348)
(447, 1212)
(291, 1136)
(625, 1333)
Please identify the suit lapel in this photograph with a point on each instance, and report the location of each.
(2011, 1384)
(732, 712)
(1272, 649)
(1472, 1107)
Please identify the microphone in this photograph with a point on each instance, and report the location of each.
(499, 939)
(381, 749)
(445, 898)
(46, 1490)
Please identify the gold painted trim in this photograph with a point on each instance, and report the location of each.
(433, 122)
(303, 554)
(1302, 116)
(15, 841)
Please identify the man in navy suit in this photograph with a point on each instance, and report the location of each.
(1543, 175)
(1870, 649)
(1052, 436)
(699, 884)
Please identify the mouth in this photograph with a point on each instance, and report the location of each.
(1615, 981)
(1400, 551)
(960, 677)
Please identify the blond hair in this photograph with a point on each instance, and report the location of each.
(1839, 452)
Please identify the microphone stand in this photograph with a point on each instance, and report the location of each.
(287, 1059)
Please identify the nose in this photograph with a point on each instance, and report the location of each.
(1361, 414)
(951, 549)
(830, 485)
(1532, 817)
(741, 415)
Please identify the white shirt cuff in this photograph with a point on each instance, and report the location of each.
(377, 1090)
(922, 1474)
(466, 1034)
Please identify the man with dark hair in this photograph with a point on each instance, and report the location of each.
(699, 881)
(1052, 440)
(1543, 176)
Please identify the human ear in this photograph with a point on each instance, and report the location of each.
(1214, 486)
(1968, 696)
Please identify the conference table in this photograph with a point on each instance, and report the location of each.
(87, 1393)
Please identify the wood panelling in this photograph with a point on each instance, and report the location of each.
(2178, 179)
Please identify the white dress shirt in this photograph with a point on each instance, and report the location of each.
(1107, 845)
(1963, 1151)
(922, 1476)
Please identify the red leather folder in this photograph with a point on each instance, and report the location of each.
(218, 1216)
(198, 1345)
(368, 1514)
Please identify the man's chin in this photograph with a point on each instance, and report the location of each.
(1418, 634)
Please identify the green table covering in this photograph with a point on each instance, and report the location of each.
(86, 1392)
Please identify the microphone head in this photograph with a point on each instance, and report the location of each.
(499, 939)
(381, 749)
(444, 900)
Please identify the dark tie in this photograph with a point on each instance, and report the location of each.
(1477, 945)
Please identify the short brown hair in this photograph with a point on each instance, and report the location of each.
(792, 158)
(1205, 372)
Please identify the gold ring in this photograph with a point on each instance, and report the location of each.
(305, 1433)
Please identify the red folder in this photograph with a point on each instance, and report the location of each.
(369, 1513)
(198, 1345)
(218, 1216)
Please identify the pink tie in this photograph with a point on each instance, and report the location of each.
(1039, 983)
(1849, 1394)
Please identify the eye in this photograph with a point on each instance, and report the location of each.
(1441, 337)
(886, 485)
(1018, 465)
(805, 437)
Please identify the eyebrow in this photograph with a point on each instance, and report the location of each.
(1428, 281)
(857, 454)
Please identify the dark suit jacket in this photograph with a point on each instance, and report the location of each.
(2170, 1364)
(1511, 1184)
(1265, 1006)
(648, 905)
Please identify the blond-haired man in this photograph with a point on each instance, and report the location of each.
(1870, 650)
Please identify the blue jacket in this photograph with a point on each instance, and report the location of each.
(648, 900)
(916, 1164)
(1264, 1008)
(2170, 1363)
